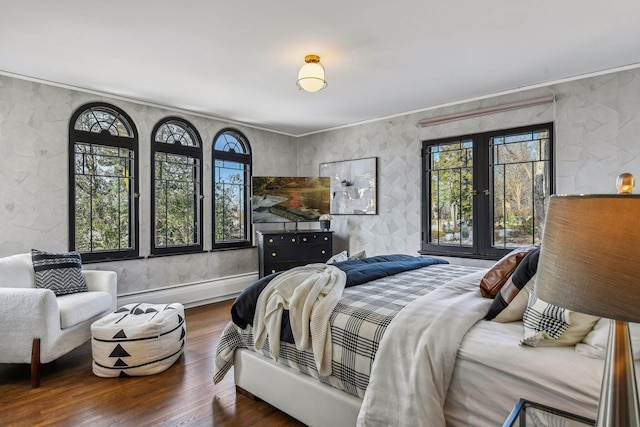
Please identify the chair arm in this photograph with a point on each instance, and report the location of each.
(25, 314)
(102, 281)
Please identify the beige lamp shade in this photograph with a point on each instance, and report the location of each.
(311, 75)
(590, 255)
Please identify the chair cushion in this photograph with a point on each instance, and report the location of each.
(81, 306)
(60, 272)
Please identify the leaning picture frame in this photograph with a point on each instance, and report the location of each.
(353, 186)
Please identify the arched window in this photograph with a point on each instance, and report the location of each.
(103, 180)
(176, 195)
(231, 190)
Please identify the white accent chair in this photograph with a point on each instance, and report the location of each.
(36, 326)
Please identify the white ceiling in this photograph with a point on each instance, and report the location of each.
(238, 60)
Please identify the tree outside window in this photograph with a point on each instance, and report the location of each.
(231, 180)
(176, 197)
(103, 183)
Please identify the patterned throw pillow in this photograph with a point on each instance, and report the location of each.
(359, 255)
(60, 272)
(546, 324)
(342, 256)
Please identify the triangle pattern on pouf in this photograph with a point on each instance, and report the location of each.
(120, 362)
(119, 351)
(183, 333)
(120, 334)
(138, 311)
(180, 319)
(122, 310)
(123, 374)
(151, 310)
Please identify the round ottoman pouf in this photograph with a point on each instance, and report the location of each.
(138, 339)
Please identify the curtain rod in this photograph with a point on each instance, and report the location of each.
(486, 110)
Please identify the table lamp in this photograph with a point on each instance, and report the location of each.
(590, 263)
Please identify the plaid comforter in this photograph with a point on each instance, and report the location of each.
(357, 325)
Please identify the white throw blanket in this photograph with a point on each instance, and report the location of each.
(413, 366)
(310, 293)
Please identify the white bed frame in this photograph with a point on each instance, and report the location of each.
(299, 395)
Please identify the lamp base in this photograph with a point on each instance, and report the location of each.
(618, 405)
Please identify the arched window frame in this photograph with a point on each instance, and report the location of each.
(192, 152)
(121, 134)
(224, 153)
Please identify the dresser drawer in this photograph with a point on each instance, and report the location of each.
(315, 238)
(280, 239)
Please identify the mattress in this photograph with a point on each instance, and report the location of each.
(493, 371)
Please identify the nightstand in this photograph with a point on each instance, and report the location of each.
(530, 414)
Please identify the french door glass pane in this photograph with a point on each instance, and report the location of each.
(451, 205)
(520, 187)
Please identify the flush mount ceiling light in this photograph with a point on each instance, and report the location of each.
(311, 75)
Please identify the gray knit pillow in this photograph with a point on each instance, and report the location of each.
(60, 272)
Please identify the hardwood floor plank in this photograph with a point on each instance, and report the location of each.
(183, 395)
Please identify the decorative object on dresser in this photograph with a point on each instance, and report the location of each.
(325, 222)
(279, 251)
(353, 186)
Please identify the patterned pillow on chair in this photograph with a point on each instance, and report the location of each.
(59, 272)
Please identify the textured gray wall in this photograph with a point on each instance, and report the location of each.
(34, 121)
(597, 134)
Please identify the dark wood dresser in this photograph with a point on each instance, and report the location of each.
(279, 251)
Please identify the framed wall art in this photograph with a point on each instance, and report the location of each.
(353, 185)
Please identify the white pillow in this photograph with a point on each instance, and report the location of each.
(595, 343)
(517, 306)
(342, 256)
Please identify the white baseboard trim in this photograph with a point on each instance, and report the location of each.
(192, 294)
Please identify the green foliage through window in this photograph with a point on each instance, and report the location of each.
(231, 179)
(103, 204)
(177, 187)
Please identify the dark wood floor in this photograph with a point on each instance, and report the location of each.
(184, 395)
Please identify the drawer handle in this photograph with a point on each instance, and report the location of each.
(326, 238)
(323, 251)
(273, 254)
(293, 239)
(304, 239)
(270, 240)
(273, 270)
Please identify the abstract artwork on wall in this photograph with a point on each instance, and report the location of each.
(353, 186)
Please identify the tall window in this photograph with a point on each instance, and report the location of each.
(103, 169)
(231, 190)
(486, 194)
(176, 199)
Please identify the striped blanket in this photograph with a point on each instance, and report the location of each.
(361, 316)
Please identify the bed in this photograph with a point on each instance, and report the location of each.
(437, 362)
